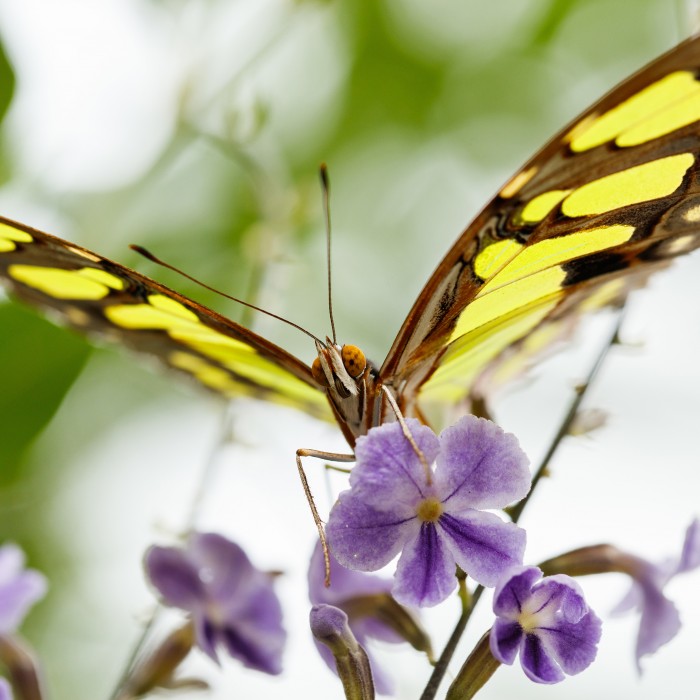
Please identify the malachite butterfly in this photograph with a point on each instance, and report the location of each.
(610, 199)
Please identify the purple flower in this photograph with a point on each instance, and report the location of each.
(547, 620)
(231, 602)
(347, 590)
(5, 690)
(659, 621)
(433, 516)
(20, 588)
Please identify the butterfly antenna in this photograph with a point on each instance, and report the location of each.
(149, 256)
(325, 188)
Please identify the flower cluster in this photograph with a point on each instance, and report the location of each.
(421, 498)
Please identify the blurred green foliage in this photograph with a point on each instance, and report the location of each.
(32, 392)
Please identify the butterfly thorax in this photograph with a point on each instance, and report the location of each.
(350, 381)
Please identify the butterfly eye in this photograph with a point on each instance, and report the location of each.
(317, 372)
(354, 360)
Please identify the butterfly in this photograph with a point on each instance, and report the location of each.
(609, 200)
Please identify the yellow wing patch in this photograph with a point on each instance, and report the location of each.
(161, 313)
(87, 283)
(641, 183)
(523, 260)
(538, 207)
(524, 284)
(10, 236)
(658, 109)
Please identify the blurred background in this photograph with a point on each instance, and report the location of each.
(196, 128)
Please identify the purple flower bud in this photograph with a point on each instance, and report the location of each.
(232, 604)
(20, 588)
(330, 627)
(435, 517)
(547, 621)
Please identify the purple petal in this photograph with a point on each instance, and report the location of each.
(206, 635)
(504, 640)
(425, 574)
(17, 597)
(254, 645)
(5, 690)
(690, 557)
(559, 595)
(537, 663)
(344, 582)
(252, 633)
(11, 562)
(175, 577)
(480, 466)
(573, 645)
(513, 590)
(630, 601)
(482, 544)
(374, 628)
(20, 588)
(364, 538)
(659, 622)
(221, 565)
(388, 473)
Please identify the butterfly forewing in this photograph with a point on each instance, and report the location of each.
(98, 296)
(605, 203)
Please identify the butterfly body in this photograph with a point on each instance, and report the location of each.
(608, 201)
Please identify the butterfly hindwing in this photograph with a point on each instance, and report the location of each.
(98, 296)
(606, 202)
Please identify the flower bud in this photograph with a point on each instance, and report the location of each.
(329, 626)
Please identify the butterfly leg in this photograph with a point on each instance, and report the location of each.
(332, 457)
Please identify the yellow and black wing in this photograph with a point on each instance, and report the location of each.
(98, 296)
(607, 201)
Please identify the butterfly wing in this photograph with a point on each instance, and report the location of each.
(98, 296)
(605, 203)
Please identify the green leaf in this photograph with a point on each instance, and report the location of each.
(38, 364)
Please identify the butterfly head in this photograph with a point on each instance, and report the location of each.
(339, 367)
